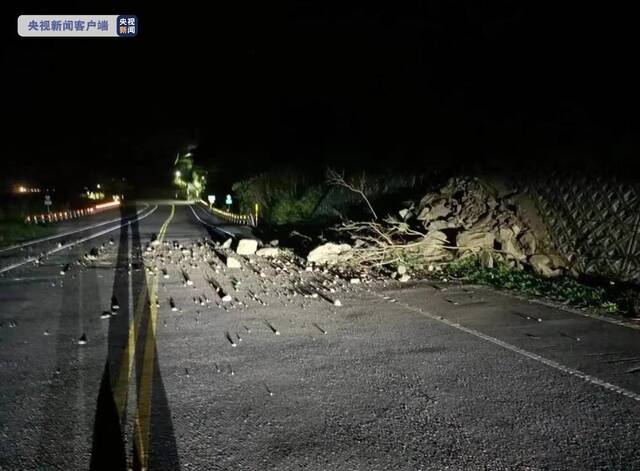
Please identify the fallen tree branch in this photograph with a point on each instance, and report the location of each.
(335, 178)
(390, 243)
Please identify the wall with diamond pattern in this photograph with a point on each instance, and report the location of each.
(594, 222)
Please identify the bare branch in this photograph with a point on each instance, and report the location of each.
(335, 178)
(391, 243)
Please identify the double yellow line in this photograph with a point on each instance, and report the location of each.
(143, 411)
(142, 426)
(163, 229)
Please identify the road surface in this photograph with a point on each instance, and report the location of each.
(131, 356)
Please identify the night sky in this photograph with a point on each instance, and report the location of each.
(305, 84)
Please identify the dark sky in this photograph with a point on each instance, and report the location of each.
(304, 82)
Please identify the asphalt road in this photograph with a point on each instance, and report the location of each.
(174, 375)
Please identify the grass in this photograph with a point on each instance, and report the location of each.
(563, 289)
(14, 232)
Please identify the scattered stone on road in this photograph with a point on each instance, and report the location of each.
(361, 379)
(328, 253)
(247, 247)
(233, 262)
(268, 252)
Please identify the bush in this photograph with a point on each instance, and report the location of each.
(288, 209)
(12, 232)
(284, 197)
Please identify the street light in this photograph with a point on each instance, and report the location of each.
(178, 173)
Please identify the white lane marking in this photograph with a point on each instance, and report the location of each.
(533, 356)
(79, 241)
(542, 302)
(215, 228)
(58, 236)
(81, 396)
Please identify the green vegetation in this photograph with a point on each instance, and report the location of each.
(564, 289)
(13, 232)
(13, 211)
(188, 177)
(290, 209)
(284, 198)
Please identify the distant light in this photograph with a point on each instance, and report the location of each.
(98, 186)
(106, 205)
(178, 173)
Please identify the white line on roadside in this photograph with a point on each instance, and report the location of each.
(58, 236)
(215, 228)
(533, 356)
(137, 217)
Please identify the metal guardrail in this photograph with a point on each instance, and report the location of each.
(57, 216)
(234, 218)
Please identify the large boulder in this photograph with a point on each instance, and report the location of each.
(328, 253)
(556, 260)
(435, 249)
(423, 215)
(439, 224)
(486, 259)
(436, 238)
(528, 242)
(438, 210)
(509, 244)
(247, 247)
(475, 240)
(543, 266)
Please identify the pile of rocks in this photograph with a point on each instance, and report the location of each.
(477, 220)
(465, 217)
(247, 247)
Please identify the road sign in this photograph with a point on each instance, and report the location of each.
(47, 200)
(228, 201)
(211, 198)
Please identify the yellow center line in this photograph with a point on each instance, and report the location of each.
(121, 389)
(126, 367)
(143, 417)
(142, 422)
